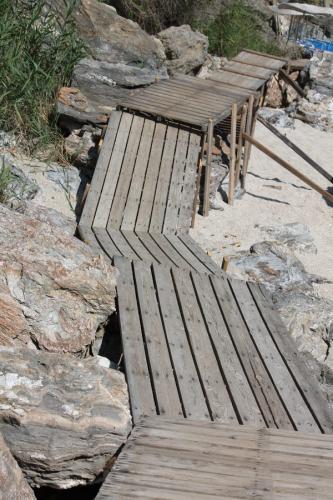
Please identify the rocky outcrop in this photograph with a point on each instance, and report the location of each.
(308, 317)
(13, 485)
(46, 183)
(54, 291)
(19, 186)
(62, 418)
(121, 56)
(186, 50)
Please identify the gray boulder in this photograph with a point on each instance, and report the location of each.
(185, 49)
(121, 56)
(19, 186)
(62, 418)
(54, 291)
(13, 485)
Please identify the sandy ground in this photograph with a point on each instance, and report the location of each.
(274, 197)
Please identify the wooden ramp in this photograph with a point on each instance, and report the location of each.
(145, 177)
(200, 349)
(207, 347)
(249, 70)
(185, 460)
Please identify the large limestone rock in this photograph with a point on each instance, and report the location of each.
(54, 291)
(121, 56)
(186, 50)
(62, 418)
(13, 485)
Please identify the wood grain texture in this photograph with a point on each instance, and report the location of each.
(179, 460)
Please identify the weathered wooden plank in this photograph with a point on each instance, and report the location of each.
(138, 177)
(187, 196)
(187, 255)
(148, 190)
(176, 183)
(106, 243)
(268, 56)
(263, 389)
(88, 236)
(154, 249)
(298, 368)
(111, 178)
(138, 247)
(169, 250)
(167, 106)
(192, 396)
(246, 82)
(217, 88)
(240, 144)
(163, 182)
(247, 69)
(180, 97)
(239, 389)
(122, 244)
(165, 388)
(283, 381)
(200, 254)
(206, 200)
(247, 147)
(181, 117)
(231, 184)
(178, 90)
(259, 60)
(213, 383)
(91, 203)
(126, 173)
(180, 460)
(137, 372)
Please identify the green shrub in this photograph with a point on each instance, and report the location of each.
(5, 182)
(37, 56)
(237, 27)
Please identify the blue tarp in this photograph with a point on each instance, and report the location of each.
(315, 44)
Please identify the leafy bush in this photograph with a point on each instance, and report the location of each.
(37, 56)
(237, 27)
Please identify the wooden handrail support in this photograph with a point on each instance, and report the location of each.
(289, 167)
(210, 133)
(292, 83)
(297, 150)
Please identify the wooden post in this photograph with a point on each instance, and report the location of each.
(197, 190)
(232, 154)
(240, 143)
(290, 168)
(250, 124)
(210, 132)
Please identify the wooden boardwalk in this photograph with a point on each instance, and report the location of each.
(248, 70)
(198, 346)
(170, 460)
(209, 347)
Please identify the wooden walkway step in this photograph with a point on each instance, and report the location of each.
(181, 460)
(207, 347)
(145, 177)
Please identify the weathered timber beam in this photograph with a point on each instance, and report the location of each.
(297, 150)
(289, 167)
